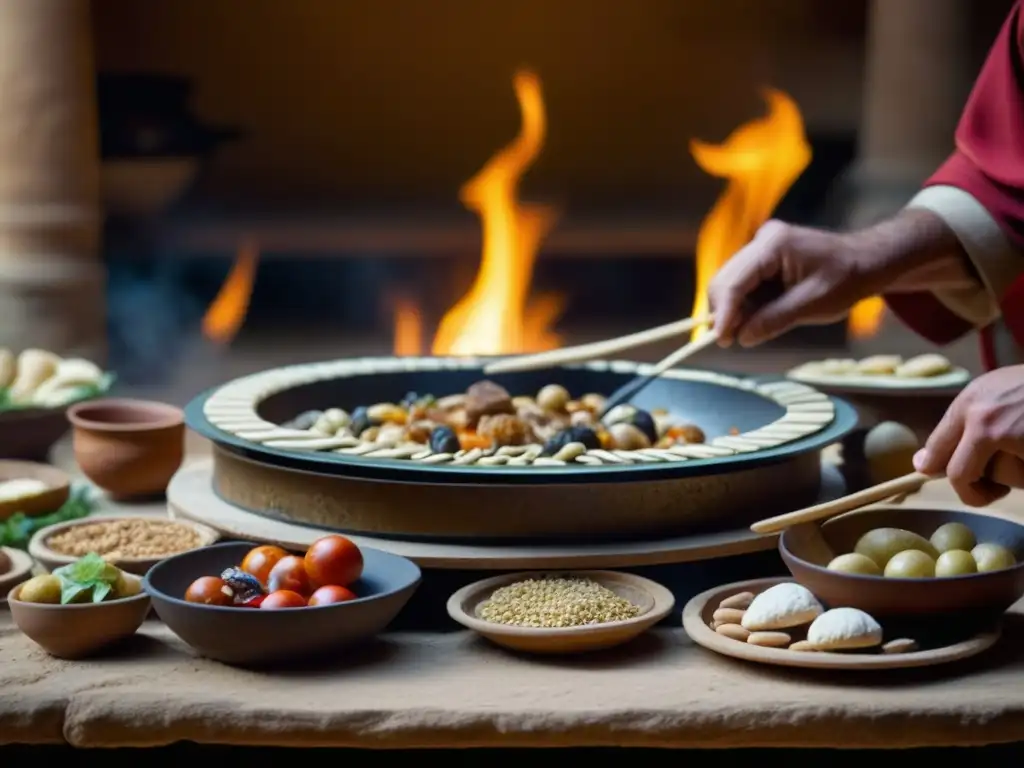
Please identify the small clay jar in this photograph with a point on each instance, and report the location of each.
(129, 448)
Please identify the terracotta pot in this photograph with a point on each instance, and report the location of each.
(128, 448)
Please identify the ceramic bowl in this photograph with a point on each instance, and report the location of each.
(79, 630)
(654, 601)
(981, 595)
(15, 567)
(57, 492)
(129, 448)
(254, 637)
(38, 548)
(29, 433)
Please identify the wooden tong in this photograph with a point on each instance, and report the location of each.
(910, 483)
(600, 349)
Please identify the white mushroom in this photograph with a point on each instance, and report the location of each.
(844, 629)
(33, 368)
(8, 368)
(780, 607)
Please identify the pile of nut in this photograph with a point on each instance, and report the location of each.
(488, 426)
(555, 602)
(130, 537)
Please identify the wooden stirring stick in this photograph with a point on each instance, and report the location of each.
(597, 349)
(628, 391)
(910, 483)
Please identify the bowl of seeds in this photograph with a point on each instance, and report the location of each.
(558, 613)
(132, 543)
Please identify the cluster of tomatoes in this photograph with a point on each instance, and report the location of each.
(270, 578)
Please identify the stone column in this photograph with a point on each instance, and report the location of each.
(918, 72)
(51, 276)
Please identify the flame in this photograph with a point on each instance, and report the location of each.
(866, 318)
(408, 328)
(226, 313)
(761, 159)
(496, 316)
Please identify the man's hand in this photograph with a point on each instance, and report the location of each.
(979, 444)
(822, 277)
(824, 274)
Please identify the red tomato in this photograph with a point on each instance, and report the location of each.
(209, 590)
(331, 594)
(260, 560)
(333, 560)
(255, 602)
(282, 598)
(289, 573)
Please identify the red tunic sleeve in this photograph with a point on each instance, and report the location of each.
(988, 164)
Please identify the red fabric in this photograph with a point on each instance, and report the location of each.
(988, 163)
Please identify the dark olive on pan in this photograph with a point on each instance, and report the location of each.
(577, 434)
(444, 440)
(643, 421)
(360, 421)
(304, 420)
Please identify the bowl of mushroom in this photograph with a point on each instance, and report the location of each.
(35, 387)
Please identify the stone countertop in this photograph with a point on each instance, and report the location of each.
(416, 689)
(445, 689)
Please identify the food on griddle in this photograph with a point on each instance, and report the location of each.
(550, 425)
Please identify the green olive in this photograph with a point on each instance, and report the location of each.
(880, 544)
(855, 563)
(992, 557)
(910, 564)
(955, 562)
(953, 536)
(41, 589)
(126, 586)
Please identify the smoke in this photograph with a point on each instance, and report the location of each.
(152, 319)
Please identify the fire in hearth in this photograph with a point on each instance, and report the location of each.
(761, 160)
(226, 313)
(497, 315)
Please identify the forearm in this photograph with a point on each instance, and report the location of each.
(916, 250)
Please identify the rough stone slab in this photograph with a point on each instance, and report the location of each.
(422, 690)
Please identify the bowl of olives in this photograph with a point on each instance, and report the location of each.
(892, 561)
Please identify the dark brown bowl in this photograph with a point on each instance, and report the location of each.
(979, 595)
(254, 637)
(28, 434)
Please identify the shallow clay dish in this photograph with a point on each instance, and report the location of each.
(42, 503)
(15, 567)
(254, 637)
(697, 622)
(982, 596)
(50, 559)
(128, 448)
(655, 603)
(79, 630)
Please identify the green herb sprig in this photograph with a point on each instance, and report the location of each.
(91, 574)
(16, 530)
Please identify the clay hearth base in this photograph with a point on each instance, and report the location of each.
(488, 511)
(190, 496)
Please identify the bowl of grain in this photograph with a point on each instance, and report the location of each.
(557, 613)
(132, 543)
